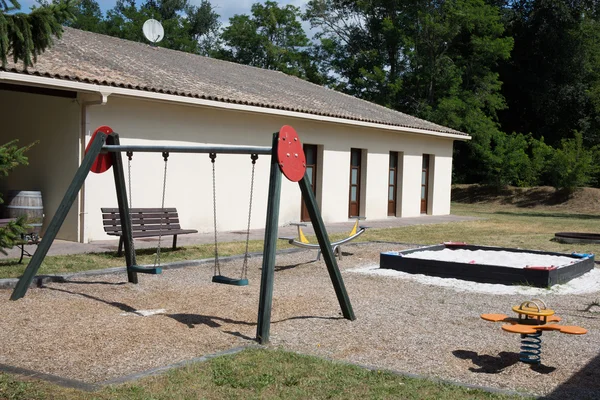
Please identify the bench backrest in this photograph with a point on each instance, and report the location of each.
(142, 219)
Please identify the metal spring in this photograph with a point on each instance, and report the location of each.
(531, 348)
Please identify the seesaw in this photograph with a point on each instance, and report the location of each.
(302, 242)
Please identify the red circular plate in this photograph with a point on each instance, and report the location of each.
(104, 160)
(290, 155)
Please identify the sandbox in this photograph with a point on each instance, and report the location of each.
(487, 264)
(577, 237)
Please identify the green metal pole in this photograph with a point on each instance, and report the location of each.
(59, 217)
(270, 244)
(117, 161)
(327, 251)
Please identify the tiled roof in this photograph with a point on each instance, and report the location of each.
(104, 60)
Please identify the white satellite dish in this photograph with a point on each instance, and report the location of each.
(153, 30)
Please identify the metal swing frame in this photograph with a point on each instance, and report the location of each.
(103, 143)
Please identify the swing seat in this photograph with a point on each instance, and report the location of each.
(229, 281)
(145, 270)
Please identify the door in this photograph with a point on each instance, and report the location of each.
(355, 162)
(392, 183)
(310, 151)
(424, 183)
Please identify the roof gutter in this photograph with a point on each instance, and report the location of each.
(108, 90)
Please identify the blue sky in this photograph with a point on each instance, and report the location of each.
(228, 8)
(225, 8)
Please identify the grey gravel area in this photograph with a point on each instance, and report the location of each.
(85, 329)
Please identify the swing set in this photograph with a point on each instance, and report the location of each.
(156, 222)
(287, 158)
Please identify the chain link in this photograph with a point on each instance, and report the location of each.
(217, 268)
(157, 258)
(254, 157)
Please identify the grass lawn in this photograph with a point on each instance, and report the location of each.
(258, 374)
(504, 226)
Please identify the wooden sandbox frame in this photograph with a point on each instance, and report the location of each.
(535, 276)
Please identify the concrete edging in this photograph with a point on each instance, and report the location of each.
(40, 280)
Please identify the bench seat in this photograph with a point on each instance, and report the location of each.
(145, 222)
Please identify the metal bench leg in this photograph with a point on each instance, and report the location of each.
(120, 251)
(174, 242)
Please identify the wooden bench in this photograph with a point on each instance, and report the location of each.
(26, 238)
(145, 222)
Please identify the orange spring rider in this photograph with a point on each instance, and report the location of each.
(533, 318)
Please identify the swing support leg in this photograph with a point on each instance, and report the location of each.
(126, 237)
(326, 250)
(59, 218)
(270, 244)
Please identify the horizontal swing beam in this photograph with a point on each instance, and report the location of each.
(188, 149)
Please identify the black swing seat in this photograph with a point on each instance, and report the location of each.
(229, 281)
(145, 270)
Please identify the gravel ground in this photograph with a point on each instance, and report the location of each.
(86, 329)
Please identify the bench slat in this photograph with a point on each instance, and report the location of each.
(141, 221)
(139, 215)
(145, 222)
(139, 234)
(157, 228)
(140, 210)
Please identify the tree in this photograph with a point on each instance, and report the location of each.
(433, 59)
(189, 28)
(88, 17)
(362, 46)
(551, 80)
(11, 156)
(25, 36)
(271, 38)
(572, 164)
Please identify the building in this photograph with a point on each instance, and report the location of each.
(364, 159)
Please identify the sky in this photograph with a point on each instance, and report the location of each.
(225, 8)
(228, 8)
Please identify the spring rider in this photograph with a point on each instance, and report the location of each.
(533, 318)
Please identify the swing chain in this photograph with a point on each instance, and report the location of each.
(217, 268)
(165, 155)
(129, 158)
(254, 157)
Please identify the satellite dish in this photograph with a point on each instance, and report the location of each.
(153, 31)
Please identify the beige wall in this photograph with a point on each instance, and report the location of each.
(189, 186)
(54, 122)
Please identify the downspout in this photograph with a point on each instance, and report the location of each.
(83, 133)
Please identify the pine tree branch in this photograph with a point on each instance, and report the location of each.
(11, 156)
(25, 36)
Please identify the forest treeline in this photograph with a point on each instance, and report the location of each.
(522, 77)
